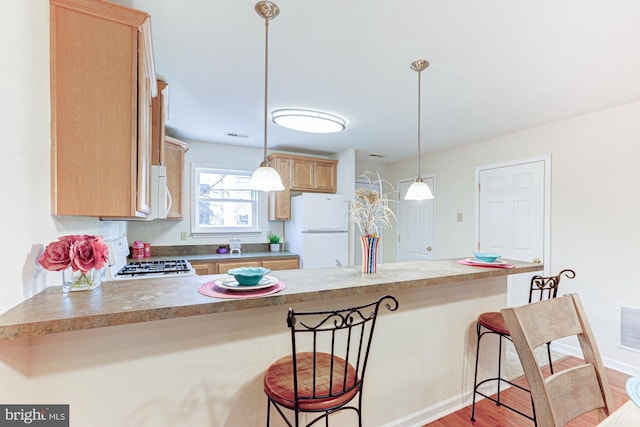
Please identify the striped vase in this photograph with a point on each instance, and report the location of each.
(369, 253)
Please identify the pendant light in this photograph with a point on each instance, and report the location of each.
(419, 190)
(266, 178)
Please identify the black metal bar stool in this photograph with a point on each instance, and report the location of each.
(325, 370)
(541, 288)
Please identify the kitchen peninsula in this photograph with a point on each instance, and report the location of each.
(204, 366)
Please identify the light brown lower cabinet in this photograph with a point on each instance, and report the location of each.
(221, 267)
(203, 268)
(224, 266)
(281, 264)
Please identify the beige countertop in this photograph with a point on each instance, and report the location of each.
(231, 257)
(125, 302)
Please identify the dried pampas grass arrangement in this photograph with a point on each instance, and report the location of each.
(370, 209)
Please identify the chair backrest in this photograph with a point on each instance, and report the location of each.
(567, 394)
(339, 342)
(543, 288)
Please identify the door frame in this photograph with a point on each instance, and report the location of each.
(546, 159)
(435, 210)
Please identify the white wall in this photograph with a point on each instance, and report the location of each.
(346, 185)
(594, 207)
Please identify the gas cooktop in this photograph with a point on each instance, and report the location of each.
(144, 268)
(119, 269)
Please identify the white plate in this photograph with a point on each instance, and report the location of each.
(232, 284)
(478, 262)
(633, 389)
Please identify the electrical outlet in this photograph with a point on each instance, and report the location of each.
(183, 235)
(459, 216)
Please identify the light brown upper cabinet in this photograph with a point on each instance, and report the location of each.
(299, 173)
(159, 108)
(280, 201)
(316, 175)
(174, 151)
(102, 84)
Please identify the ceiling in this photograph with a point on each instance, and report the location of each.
(497, 67)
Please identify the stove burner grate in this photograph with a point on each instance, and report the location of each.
(155, 267)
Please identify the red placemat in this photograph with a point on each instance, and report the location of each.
(473, 264)
(211, 290)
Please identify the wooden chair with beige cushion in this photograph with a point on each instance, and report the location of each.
(326, 368)
(565, 395)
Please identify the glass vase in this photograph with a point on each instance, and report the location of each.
(369, 253)
(76, 280)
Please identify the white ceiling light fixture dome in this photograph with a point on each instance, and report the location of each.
(311, 121)
(266, 178)
(419, 190)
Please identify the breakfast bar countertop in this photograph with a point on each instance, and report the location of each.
(127, 302)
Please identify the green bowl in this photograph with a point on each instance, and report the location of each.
(248, 276)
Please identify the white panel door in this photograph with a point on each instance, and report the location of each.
(415, 225)
(512, 211)
(512, 216)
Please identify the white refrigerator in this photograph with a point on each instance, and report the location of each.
(318, 230)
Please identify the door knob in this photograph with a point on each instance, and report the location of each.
(429, 248)
(537, 261)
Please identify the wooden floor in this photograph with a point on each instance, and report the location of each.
(488, 414)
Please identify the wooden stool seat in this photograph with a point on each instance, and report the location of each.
(331, 391)
(494, 321)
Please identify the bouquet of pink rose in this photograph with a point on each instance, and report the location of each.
(80, 252)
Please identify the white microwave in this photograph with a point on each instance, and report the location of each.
(160, 196)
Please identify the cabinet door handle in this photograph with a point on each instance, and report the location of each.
(429, 248)
(537, 261)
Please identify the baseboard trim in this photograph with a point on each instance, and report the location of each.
(430, 413)
(442, 409)
(570, 350)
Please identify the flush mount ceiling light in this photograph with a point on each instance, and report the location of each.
(308, 120)
(419, 190)
(266, 178)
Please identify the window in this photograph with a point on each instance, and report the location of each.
(223, 203)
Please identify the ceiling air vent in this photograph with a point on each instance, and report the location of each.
(237, 135)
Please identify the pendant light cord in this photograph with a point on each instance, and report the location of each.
(266, 80)
(419, 91)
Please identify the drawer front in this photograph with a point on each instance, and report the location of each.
(224, 266)
(281, 264)
(204, 268)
